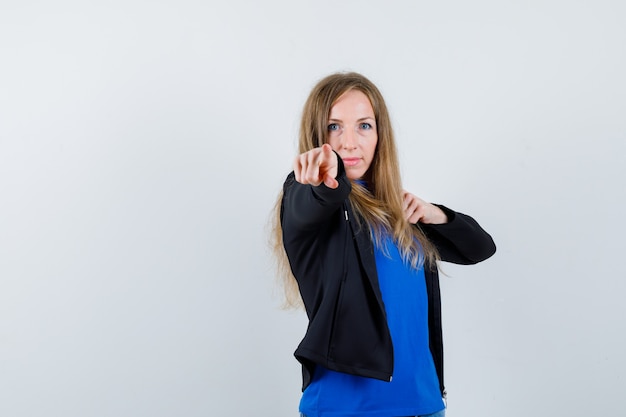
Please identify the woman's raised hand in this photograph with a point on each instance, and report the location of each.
(418, 210)
(316, 166)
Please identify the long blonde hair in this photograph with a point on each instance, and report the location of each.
(380, 204)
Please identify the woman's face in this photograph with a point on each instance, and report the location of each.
(352, 132)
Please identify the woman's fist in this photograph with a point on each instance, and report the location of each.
(417, 210)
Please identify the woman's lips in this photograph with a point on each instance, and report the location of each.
(350, 161)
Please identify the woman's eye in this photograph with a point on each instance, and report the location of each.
(366, 126)
(333, 126)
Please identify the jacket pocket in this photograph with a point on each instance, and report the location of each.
(336, 318)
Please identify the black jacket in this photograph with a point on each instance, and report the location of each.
(332, 258)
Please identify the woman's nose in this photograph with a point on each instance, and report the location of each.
(349, 139)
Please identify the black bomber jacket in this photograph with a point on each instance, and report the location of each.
(332, 257)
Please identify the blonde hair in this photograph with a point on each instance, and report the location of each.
(379, 205)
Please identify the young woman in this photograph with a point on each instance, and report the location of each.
(361, 254)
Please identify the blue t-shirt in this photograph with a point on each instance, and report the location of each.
(414, 389)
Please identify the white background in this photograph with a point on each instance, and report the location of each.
(142, 145)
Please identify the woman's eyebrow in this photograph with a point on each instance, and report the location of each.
(358, 120)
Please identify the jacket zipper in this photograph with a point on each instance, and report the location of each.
(345, 211)
(341, 284)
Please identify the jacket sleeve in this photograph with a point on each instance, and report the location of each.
(305, 206)
(461, 240)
